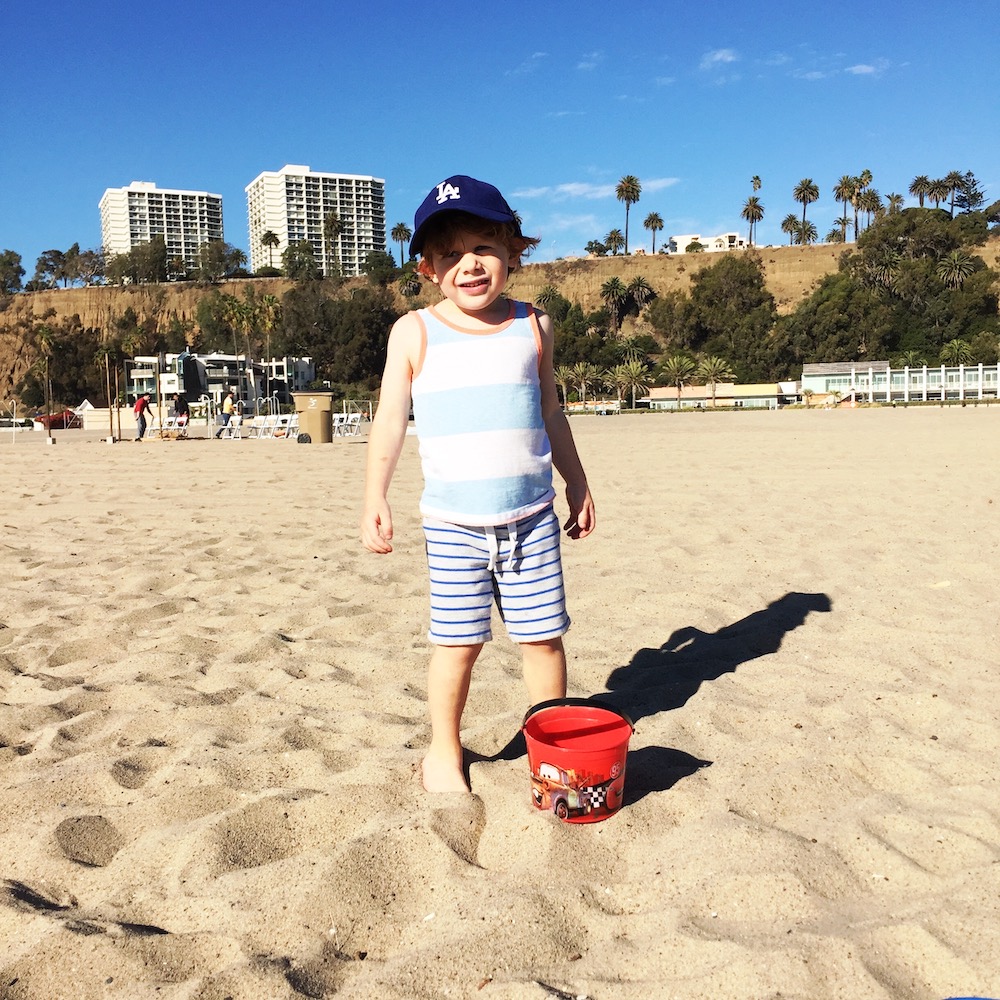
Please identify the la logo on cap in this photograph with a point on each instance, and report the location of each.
(447, 192)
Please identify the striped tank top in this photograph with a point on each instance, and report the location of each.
(477, 409)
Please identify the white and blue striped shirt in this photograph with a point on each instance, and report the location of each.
(477, 407)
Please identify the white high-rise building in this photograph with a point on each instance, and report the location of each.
(133, 215)
(294, 202)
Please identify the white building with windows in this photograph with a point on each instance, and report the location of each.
(879, 382)
(133, 215)
(709, 244)
(294, 202)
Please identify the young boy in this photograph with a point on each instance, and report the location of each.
(478, 368)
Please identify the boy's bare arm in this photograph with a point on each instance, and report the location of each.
(385, 441)
(582, 518)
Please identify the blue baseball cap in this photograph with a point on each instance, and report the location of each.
(460, 194)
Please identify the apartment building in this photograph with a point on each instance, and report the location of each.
(133, 215)
(709, 244)
(294, 203)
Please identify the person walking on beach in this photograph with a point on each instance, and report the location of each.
(478, 369)
(142, 415)
(228, 406)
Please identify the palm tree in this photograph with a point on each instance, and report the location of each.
(753, 212)
(400, 234)
(614, 295)
(564, 379)
(911, 359)
(586, 376)
(806, 233)
(920, 188)
(807, 395)
(954, 180)
(628, 191)
(268, 313)
(548, 294)
(954, 267)
(805, 192)
(938, 191)
(956, 352)
(895, 203)
(843, 191)
(857, 196)
(614, 241)
(617, 378)
(678, 370)
(270, 241)
(870, 202)
(640, 291)
(790, 225)
(712, 370)
(332, 228)
(844, 223)
(654, 223)
(755, 183)
(638, 376)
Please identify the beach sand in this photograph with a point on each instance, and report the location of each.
(212, 700)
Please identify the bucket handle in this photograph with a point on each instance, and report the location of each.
(577, 703)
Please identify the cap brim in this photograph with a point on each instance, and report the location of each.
(417, 240)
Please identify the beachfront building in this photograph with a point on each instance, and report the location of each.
(752, 396)
(134, 215)
(257, 385)
(709, 244)
(879, 382)
(294, 204)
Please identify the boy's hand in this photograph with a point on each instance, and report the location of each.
(376, 528)
(582, 518)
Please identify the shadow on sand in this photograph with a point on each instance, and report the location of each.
(659, 680)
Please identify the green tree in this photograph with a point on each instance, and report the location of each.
(332, 229)
(549, 293)
(790, 226)
(596, 249)
(910, 359)
(806, 233)
(654, 223)
(637, 373)
(711, 371)
(269, 241)
(755, 183)
(564, 379)
(639, 292)
(299, 261)
(920, 188)
(894, 202)
(401, 234)
(614, 241)
(614, 295)
(678, 370)
(843, 191)
(954, 267)
(753, 212)
(586, 376)
(11, 272)
(954, 181)
(628, 191)
(380, 267)
(956, 352)
(805, 192)
(938, 191)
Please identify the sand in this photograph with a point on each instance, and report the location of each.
(212, 702)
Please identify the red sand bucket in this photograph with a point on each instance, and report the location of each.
(576, 751)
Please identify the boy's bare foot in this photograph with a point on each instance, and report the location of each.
(443, 774)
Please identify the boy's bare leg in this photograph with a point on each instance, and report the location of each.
(448, 679)
(544, 665)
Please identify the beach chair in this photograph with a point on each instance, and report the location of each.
(352, 426)
(234, 429)
(339, 423)
(292, 430)
(282, 423)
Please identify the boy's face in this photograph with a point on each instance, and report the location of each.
(471, 269)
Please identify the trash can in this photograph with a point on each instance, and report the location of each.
(315, 410)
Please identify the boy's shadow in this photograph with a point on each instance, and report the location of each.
(658, 680)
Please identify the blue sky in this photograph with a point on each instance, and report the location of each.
(551, 101)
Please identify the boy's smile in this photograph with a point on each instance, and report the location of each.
(472, 272)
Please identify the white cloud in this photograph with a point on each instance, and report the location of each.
(716, 58)
(664, 81)
(590, 60)
(529, 65)
(589, 191)
(868, 69)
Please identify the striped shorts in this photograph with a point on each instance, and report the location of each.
(517, 566)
